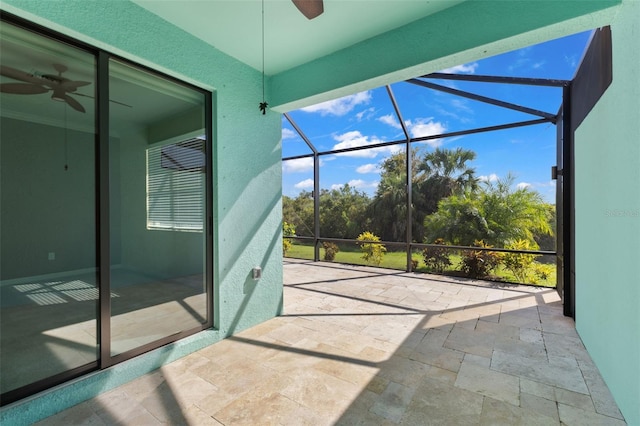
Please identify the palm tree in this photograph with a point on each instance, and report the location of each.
(441, 173)
(446, 171)
(434, 176)
(497, 214)
(388, 210)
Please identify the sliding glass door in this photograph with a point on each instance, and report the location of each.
(105, 209)
(48, 269)
(157, 197)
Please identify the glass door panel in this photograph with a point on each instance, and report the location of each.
(48, 275)
(157, 203)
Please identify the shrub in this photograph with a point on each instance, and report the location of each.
(479, 263)
(414, 264)
(286, 246)
(436, 259)
(330, 251)
(288, 230)
(543, 271)
(372, 252)
(520, 264)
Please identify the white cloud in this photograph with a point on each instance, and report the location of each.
(523, 185)
(361, 184)
(571, 60)
(358, 184)
(457, 109)
(307, 183)
(365, 114)
(391, 120)
(422, 127)
(525, 59)
(447, 112)
(368, 168)
(519, 63)
(425, 127)
(418, 128)
(462, 69)
(298, 165)
(340, 107)
(491, 178)
(461, 105)
(354, 139)
(550, 184)
(288, 134)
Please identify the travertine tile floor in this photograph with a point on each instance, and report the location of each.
(377, 347)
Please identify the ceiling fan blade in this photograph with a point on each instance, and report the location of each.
(18, 75)
(309, 8)
(71, 86)
(54, 78)
(22, 88)
(73, 103)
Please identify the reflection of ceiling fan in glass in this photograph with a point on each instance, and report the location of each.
(32, 84)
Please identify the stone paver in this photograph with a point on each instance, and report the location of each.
(368, 346)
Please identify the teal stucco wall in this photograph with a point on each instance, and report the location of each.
(247, 178)
(607, 219)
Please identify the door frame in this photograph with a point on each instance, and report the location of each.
(104, 359)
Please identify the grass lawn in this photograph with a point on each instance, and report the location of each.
(351, 254)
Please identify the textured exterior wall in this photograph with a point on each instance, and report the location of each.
(247, 178)
(608, 221)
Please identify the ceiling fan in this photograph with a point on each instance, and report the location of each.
(309, 8)
(33, 84)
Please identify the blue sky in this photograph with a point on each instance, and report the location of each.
(368, 118)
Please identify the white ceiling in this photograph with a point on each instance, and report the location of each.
(234, 26)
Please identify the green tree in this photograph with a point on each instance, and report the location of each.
(299, 212)
(443, 172)
(548, 241)
(388, 210)
(343, 212)
(495, 214)
(435, 175)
